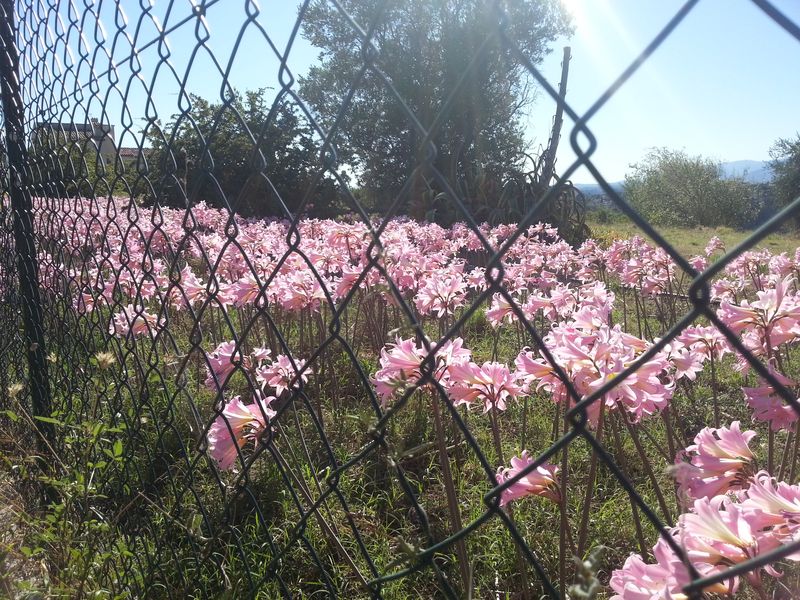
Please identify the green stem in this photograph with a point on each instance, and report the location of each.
(452, 501)
(583, 532)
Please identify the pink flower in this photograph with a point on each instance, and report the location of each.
(768, 406)
(401, 365)
(491, 383)
(531, 369)
(221, 364)
(500, 310)
(705, 341)
(666, 578)
(720, 460)
(188, 291)
(350, 275)
(714, 244)
(738, 318)
(300, 290)
(244, 291)
(541, 481)
(452, 352)
(699, 263)
(772, 504)
(441, 295)
(641, 393)
(536, 302)
(687, 363)
(716, 532)
(281, 375)
(725, 290)
(591, 358)
(637, 580)
(135, 322)
(235, 426)
(768, 322)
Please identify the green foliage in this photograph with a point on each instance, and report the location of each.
(426, 48)
(75, 534)
(605, 215)
(256, 158)
(671, 188)
(785, 165)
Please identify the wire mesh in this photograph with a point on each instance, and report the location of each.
(158, 306)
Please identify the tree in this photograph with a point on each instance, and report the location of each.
(260, 164)
(785, 165)
(425, 47)
(671, 188)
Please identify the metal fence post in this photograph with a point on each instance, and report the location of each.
(22, 214)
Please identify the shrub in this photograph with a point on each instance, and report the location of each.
(671, 188)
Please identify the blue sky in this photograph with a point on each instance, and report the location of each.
(725, 84)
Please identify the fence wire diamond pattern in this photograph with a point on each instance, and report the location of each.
(235, 362)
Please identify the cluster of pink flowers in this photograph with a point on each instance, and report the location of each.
(239, 423)
(148, 271)
(490, 384)
(736, 513)
(768, 322)
(135, 322)
(638, 265)
(424, 261)
(402, 366)
(222, 362)
(593, 357)
(719, 460)
(768, 406)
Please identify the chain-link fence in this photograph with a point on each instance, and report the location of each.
(249, 375)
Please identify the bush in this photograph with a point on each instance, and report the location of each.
(785, 165)
(671, 188)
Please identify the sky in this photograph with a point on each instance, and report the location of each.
(725, 84)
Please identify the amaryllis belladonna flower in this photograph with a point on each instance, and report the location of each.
(491, 383)
(720, 460)
(221, 363)
(401, 365)
(541, 481)
(768, 406)
(281, 375)
(235, 426)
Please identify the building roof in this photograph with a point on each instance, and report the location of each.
(67, 126)
(129, 152)
(92, 129)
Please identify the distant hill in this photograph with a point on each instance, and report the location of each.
(753, 171)
(593, 189)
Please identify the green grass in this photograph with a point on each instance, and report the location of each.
(690, 241)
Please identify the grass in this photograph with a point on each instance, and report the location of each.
(690, 241)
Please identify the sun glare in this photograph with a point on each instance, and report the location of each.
(573, 7)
